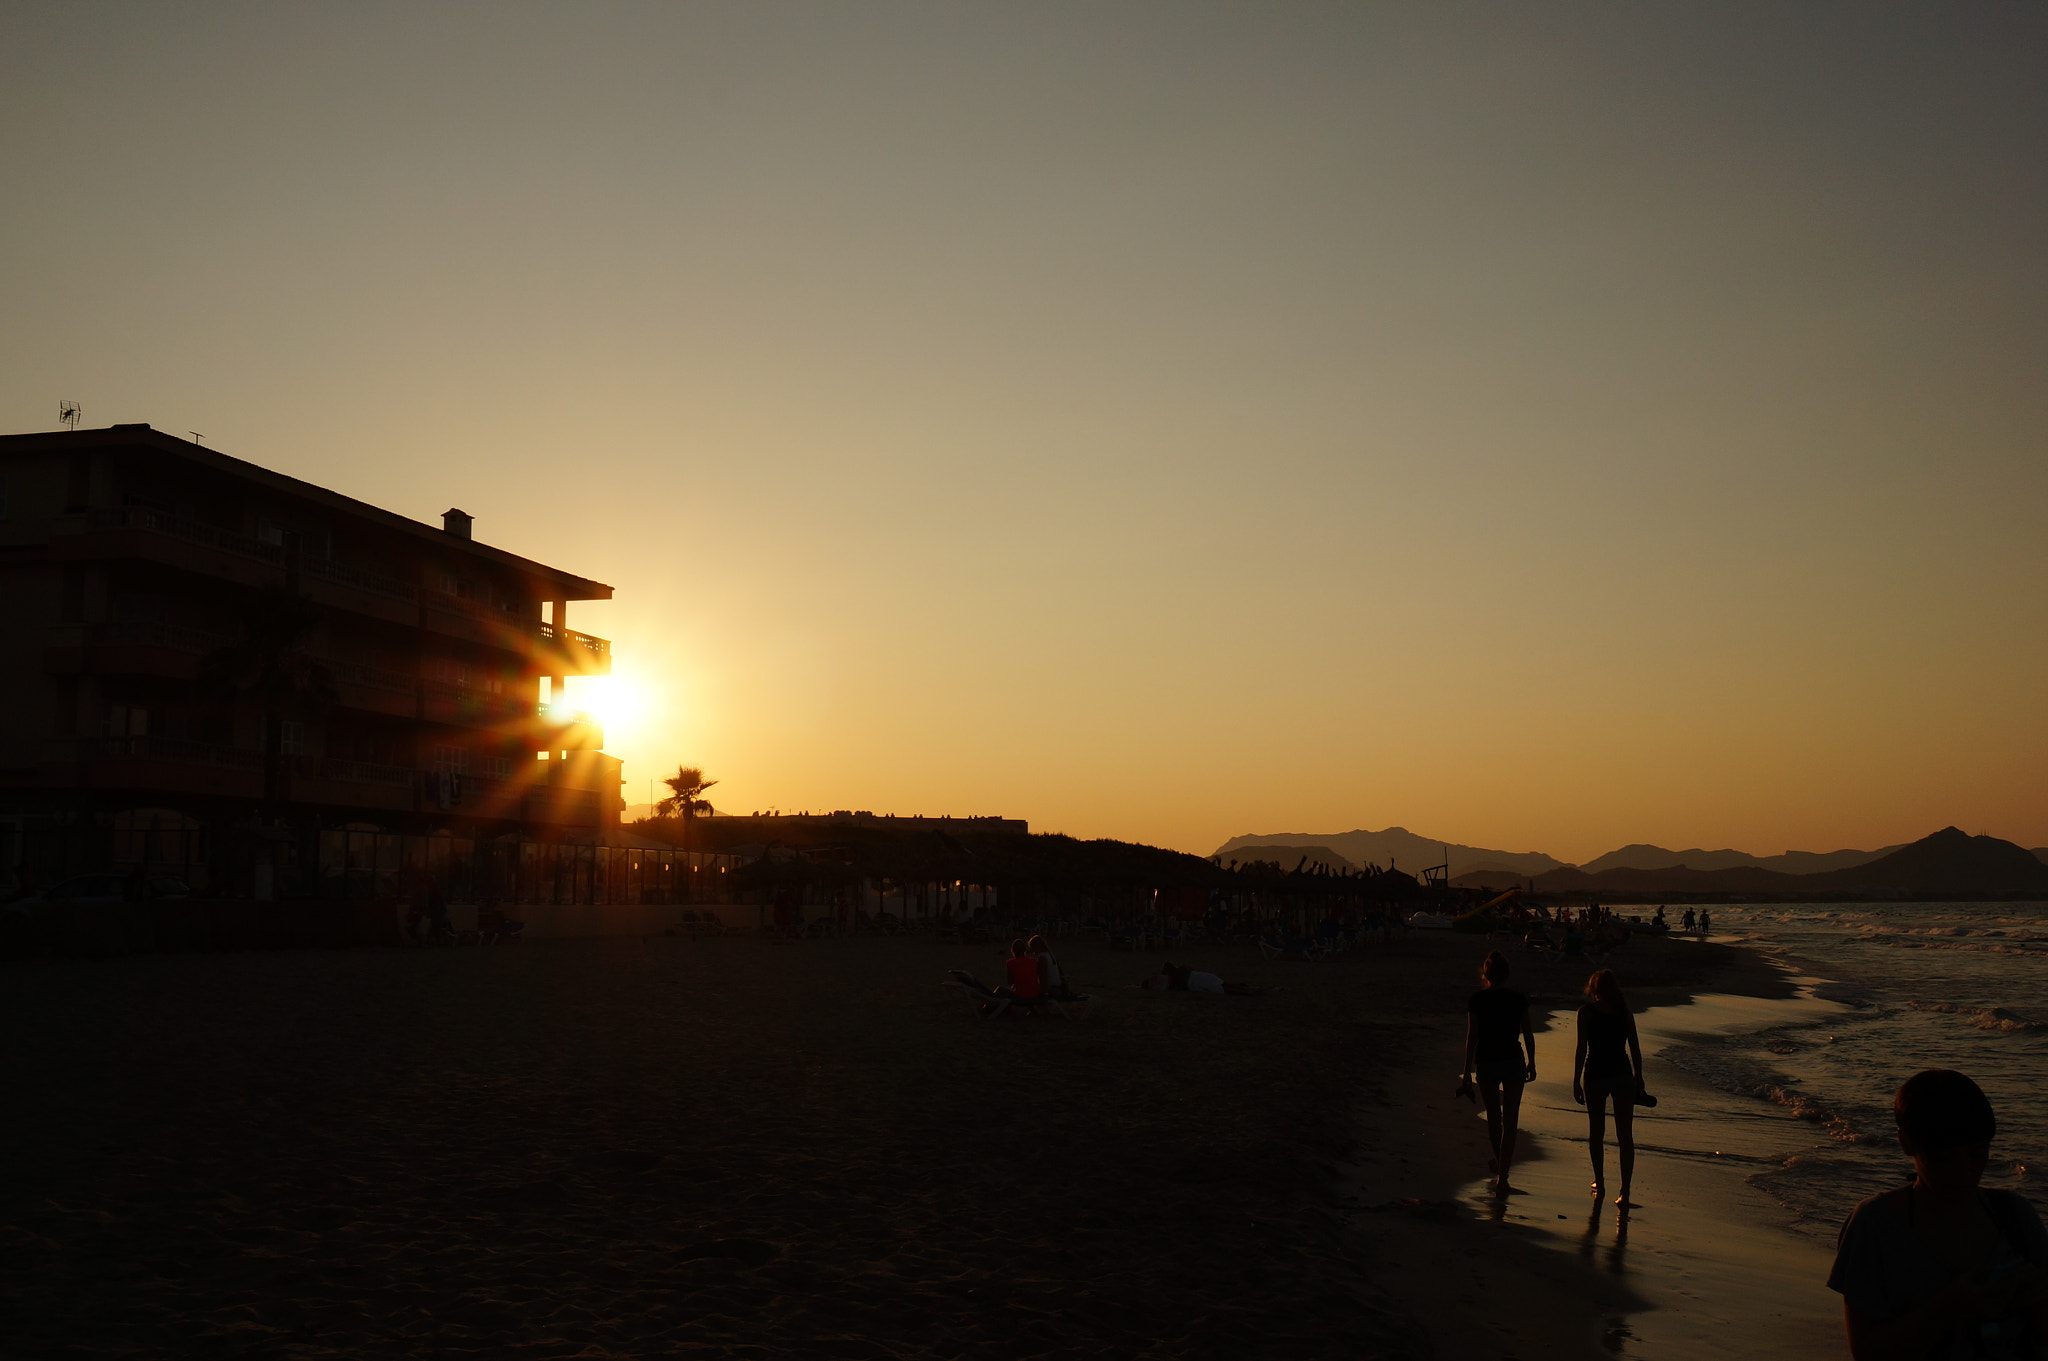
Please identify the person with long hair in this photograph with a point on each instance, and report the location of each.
(1608, 1067)
(1497, 1033)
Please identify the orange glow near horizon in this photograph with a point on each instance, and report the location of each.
(1542, 433)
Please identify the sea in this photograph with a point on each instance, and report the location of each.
(1889, 989)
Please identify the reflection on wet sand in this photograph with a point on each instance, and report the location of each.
(1617, 1251)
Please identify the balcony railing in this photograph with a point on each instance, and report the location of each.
(597, 647)
(174, 637)
(361, 578)
(364, 772)
(184, 527)
(173, 749)
(376, 677)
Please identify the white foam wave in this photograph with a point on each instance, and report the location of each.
(1741, 1076)
(1984, 1018)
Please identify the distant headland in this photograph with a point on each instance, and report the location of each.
(1949, 863)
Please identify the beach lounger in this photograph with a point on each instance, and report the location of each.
(1279, 947)
(988, 1004)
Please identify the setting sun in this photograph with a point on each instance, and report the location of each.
(619, 704)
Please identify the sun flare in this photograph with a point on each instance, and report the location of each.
(618, 703)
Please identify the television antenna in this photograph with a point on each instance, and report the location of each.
(197, 438)
(68, 414)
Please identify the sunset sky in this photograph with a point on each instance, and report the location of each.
(1542, 427)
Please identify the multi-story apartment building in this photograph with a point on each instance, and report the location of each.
(246, 678)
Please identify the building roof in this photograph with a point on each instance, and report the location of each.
(568, 585)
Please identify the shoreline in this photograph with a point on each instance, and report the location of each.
(1549, 1274)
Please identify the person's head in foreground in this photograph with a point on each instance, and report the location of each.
(1494, 969)
(1038, 946)
(1946, 1127)
(1018, 949)
(1604, 987)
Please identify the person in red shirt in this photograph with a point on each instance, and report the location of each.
(1027, 979)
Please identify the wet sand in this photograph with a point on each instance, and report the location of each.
(731, 1147)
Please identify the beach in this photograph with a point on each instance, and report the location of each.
(665, 1146)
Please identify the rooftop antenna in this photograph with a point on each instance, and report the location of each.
(196, 436)
(68, 414)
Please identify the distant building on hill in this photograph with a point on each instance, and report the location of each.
(225, 675)
(911, 822)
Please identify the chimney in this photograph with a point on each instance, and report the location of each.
(456, 523)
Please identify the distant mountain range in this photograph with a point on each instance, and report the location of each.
(1396, 846)
(1640, 857)
(1411, 852)
(1949, 863)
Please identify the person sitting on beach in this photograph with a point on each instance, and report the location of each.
(1941, 1267)
(1497, 1030)
(1027, 975)
(1049, 969)
(1608, 1065)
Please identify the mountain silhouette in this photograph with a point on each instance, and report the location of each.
(1950, 863)
(1397, 845)
(1642, 857)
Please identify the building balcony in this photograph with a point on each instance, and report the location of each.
(173, 541)
(579, 654)
(557, 729)
(176, 750)
(130, 648)
(155, 764)
(361, 579)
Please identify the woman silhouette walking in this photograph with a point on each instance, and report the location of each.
(1497, 1030)
(1608, 1066)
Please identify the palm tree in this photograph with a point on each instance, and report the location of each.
(686, 788)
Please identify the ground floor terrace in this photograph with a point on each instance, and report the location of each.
(237, 850)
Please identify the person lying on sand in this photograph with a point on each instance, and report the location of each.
(1942, 1267)
(1175, 978)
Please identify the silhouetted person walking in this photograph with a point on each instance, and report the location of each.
(1607, 1066)
(1497, 1031)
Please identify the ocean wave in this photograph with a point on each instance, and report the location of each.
(2030, 945)
(1984, 1018)
(1740, 1075)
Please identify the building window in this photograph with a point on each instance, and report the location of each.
(77, 483)
(291, 738)
(498, 767)
(127, 720)
(451, 761)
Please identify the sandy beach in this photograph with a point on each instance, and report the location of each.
(633, 1147)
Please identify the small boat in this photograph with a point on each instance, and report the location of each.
(1430, 921)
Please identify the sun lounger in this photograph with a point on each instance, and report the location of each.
(989, 1004)
(1279, 947)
